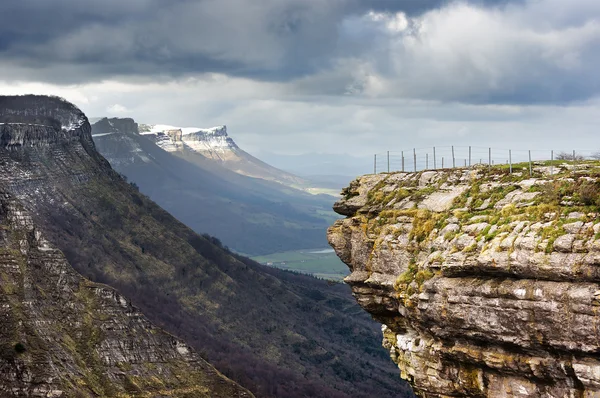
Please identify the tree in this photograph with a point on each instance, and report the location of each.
(569, 156)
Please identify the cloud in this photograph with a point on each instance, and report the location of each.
(271, 40)
(117, 109)
(356, 76)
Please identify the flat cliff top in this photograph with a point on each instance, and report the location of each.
(485, 280)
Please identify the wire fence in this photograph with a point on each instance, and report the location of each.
(418, 159)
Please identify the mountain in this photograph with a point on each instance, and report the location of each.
(216, 145)
(486, 280)
(62, 335)
(276, 333)
(250, 215)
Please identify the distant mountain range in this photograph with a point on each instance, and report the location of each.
(204, 179)
(216, 145)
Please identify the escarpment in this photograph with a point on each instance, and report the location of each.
(60, 334)
(486, 282)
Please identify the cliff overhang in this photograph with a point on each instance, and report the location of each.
(485, 281)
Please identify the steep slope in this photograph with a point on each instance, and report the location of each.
(487, 282)
(277, 333)
(216, 145)
(62, 335)
(250, 215)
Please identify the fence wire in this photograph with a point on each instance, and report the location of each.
(418, 159)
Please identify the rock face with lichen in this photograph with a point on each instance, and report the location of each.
(486, 282)
(60, 334)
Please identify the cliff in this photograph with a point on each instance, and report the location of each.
(486, 282)
(60, 334)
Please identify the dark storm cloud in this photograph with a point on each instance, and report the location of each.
(330, 47)
(271, 39)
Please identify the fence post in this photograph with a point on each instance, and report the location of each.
(403, 161)
(426, 161)
(490, 159)
(510, 160)
(442, 162)
(465, 163)
(552, 162)
(415, 159)
(388, 159)
(469, 155)
(453, 158)
(434, 160)
(530, 164)
(573, 156)
(375, 164)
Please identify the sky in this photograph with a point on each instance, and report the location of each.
(328, 76)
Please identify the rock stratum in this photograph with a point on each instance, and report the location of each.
(486, 282)
(60, 334)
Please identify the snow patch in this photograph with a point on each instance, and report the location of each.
(161, 128)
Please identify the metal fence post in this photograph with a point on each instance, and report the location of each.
(388, 159)
(403, 161)
(490, 158)
(573, 155)
(434, 160)
(453, 159)
(375, 165)
(530, 164)
(469, 155)
(426, 161)
(442, 162)
(415, 159)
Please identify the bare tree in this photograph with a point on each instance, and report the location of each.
(569, 156)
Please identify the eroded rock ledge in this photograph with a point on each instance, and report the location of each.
(486, 282)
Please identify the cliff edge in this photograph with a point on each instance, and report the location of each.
(485, 281)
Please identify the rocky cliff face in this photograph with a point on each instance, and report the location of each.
(486, 282)
(60, 334)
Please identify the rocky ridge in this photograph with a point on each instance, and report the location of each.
(217, 146)
(486, 282)
(60, 334)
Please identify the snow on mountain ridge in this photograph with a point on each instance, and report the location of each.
(161, 128)
(173, 138)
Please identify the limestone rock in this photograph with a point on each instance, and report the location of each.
(483, 303)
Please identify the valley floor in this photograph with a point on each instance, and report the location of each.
(319, 262)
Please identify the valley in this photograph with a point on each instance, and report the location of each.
(270, 331)
(322, 263)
